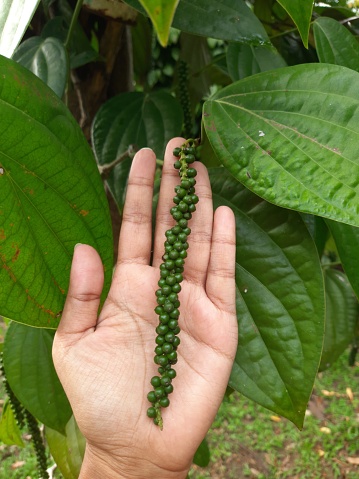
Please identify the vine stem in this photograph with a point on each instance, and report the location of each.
(106, 169)
(73, 22)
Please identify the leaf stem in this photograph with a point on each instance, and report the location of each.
(73, 22)
(106, 169)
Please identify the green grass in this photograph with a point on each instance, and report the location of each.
(246, 442)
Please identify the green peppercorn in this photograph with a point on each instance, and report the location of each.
(164, 318)
(191, 172)
(165, 381)
(162, 329)
(171, 280)
(169, 389)
(159, 310)
(169, 337)
(172, 298)
(171, 373)
(172, 324)
(167, 348)
(176, 288)
(162, 360)
(168, 307)
(160, 392)
(160, 340)
(156, 381)
(151, 412)
(164, 402)
(159, 350)
(151, 396)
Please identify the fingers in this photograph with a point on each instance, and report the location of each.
(200, 224)
(136, 229)
(83, 299)
(220, 284)
(201, 230)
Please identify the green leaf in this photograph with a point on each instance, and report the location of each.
(32, 376)
(203, 455)
(161, 13)
(280, 301)
(335, 44)
(341, 316)
(142, 47)
(51, 197)
(346, 239)
(10, 433)
(290, 135)
(47, 59)
(144, 120)
(230, 20)
(301, 13)
(80, 49)
(246, 60)
(14, 20)
(318, 230)
(67, 449)
(203, 73)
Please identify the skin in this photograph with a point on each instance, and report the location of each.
(105, 361)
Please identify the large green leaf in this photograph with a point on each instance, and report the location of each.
(10, 433)
(15, 17)
(346, 239)
(280, 301)
(246, 60)
(229, 20)
(67, 449)
(161, 13)
(301, 13)
(291, 136)
(203, 455)
(203, 73)
(47, 59)
(335, 44)
(341, 316)
(318, 230)
(31, 374)
(80, 49)
(137, 119)
(51, 197)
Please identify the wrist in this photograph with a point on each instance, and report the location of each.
(98, 464)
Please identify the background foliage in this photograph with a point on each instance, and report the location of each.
(271, 89)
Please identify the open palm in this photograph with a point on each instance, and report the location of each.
(106, 362)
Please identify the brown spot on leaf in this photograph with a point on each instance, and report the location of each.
(2, 234)
(29, 190)
(84, 212)
(16, 254)
(212, 127)
(58, 286)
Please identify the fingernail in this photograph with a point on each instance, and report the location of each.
(77, 244)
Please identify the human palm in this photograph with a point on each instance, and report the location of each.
(105, 363)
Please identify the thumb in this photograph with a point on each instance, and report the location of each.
(83, 298)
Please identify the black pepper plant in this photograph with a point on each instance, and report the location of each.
(171, 276)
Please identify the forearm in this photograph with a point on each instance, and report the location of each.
(96, 466)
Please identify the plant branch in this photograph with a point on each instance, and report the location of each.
(106, 169)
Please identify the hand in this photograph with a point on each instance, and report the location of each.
(105, 362)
